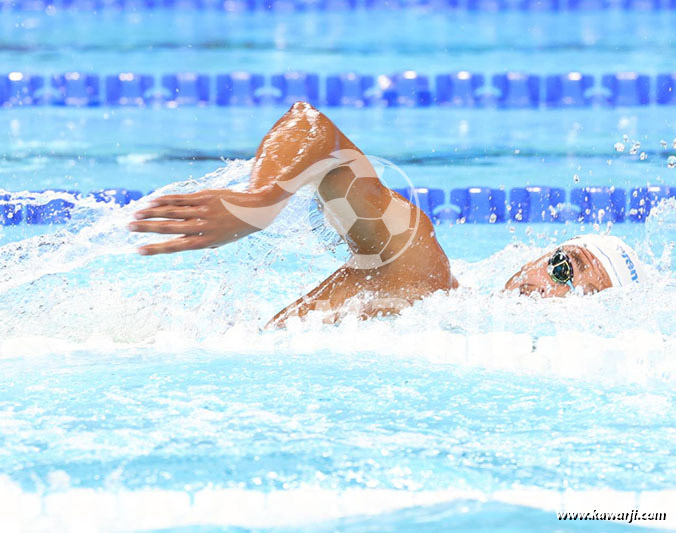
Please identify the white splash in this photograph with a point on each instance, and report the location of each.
(71, 509)
(84, 288)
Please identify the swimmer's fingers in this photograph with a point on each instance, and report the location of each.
(179, 244)
(170, 211)
(186, 200)
(170, 227)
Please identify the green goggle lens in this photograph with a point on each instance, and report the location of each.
(560, 268)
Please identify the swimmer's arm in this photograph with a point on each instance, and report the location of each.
(301, 138)
(338, 296)
(421, 269)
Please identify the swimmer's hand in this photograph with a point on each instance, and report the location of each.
(201, 219)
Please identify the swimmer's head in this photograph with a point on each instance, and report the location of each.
(589, 264)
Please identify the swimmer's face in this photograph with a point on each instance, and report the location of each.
(588, 274)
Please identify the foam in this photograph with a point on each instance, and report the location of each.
(83, 289)
(82, 292)
(76, 509)
(634, 356)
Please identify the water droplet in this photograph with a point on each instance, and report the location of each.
(671, 161)
(625, 138)
(673, 144)
(576, 178)
(529, 230)
(634, 148)
(619, 147)
(493, 218)
(643, 156)
(663, 144)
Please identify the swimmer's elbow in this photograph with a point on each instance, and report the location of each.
(305, 109)
(312, 115)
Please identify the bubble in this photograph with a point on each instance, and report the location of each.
(634, 148)
(663, 144)
(493, 218)
(625, 138)
(576, 178)
(671, 161)
(619, 147)
(643, 156)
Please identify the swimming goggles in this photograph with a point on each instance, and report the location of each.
(560, 269)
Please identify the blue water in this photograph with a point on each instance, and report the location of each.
(141, 393)
(372, 42)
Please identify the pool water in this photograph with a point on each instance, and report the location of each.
(143, 393)
(364, 41)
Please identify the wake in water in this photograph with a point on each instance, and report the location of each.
(84, 287)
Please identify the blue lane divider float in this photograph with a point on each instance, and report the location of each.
(517, 89)
(239, 89)
(479, 204)
(459, 89)
(350, 90)
(75, 89)
(666, 89)
(294, 86)
(569, 90)
(15, 208)
(333, 5)
(10, 213)
(536, 204)
(429, 200)
(120, 197)
(186, 89)
(408, 89)
(483, 205)
(128, 89)
(643, 199)
(600, 204)
(55, 211)
(510, 90)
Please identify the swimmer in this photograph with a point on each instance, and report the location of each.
(305, 148)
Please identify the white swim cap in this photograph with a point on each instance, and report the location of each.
(617, 257)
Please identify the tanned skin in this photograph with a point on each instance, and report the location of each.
(301, 137)
(533, 278)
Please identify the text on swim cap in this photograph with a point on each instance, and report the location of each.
(630, 264)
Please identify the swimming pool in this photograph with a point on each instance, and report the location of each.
(141, 394)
